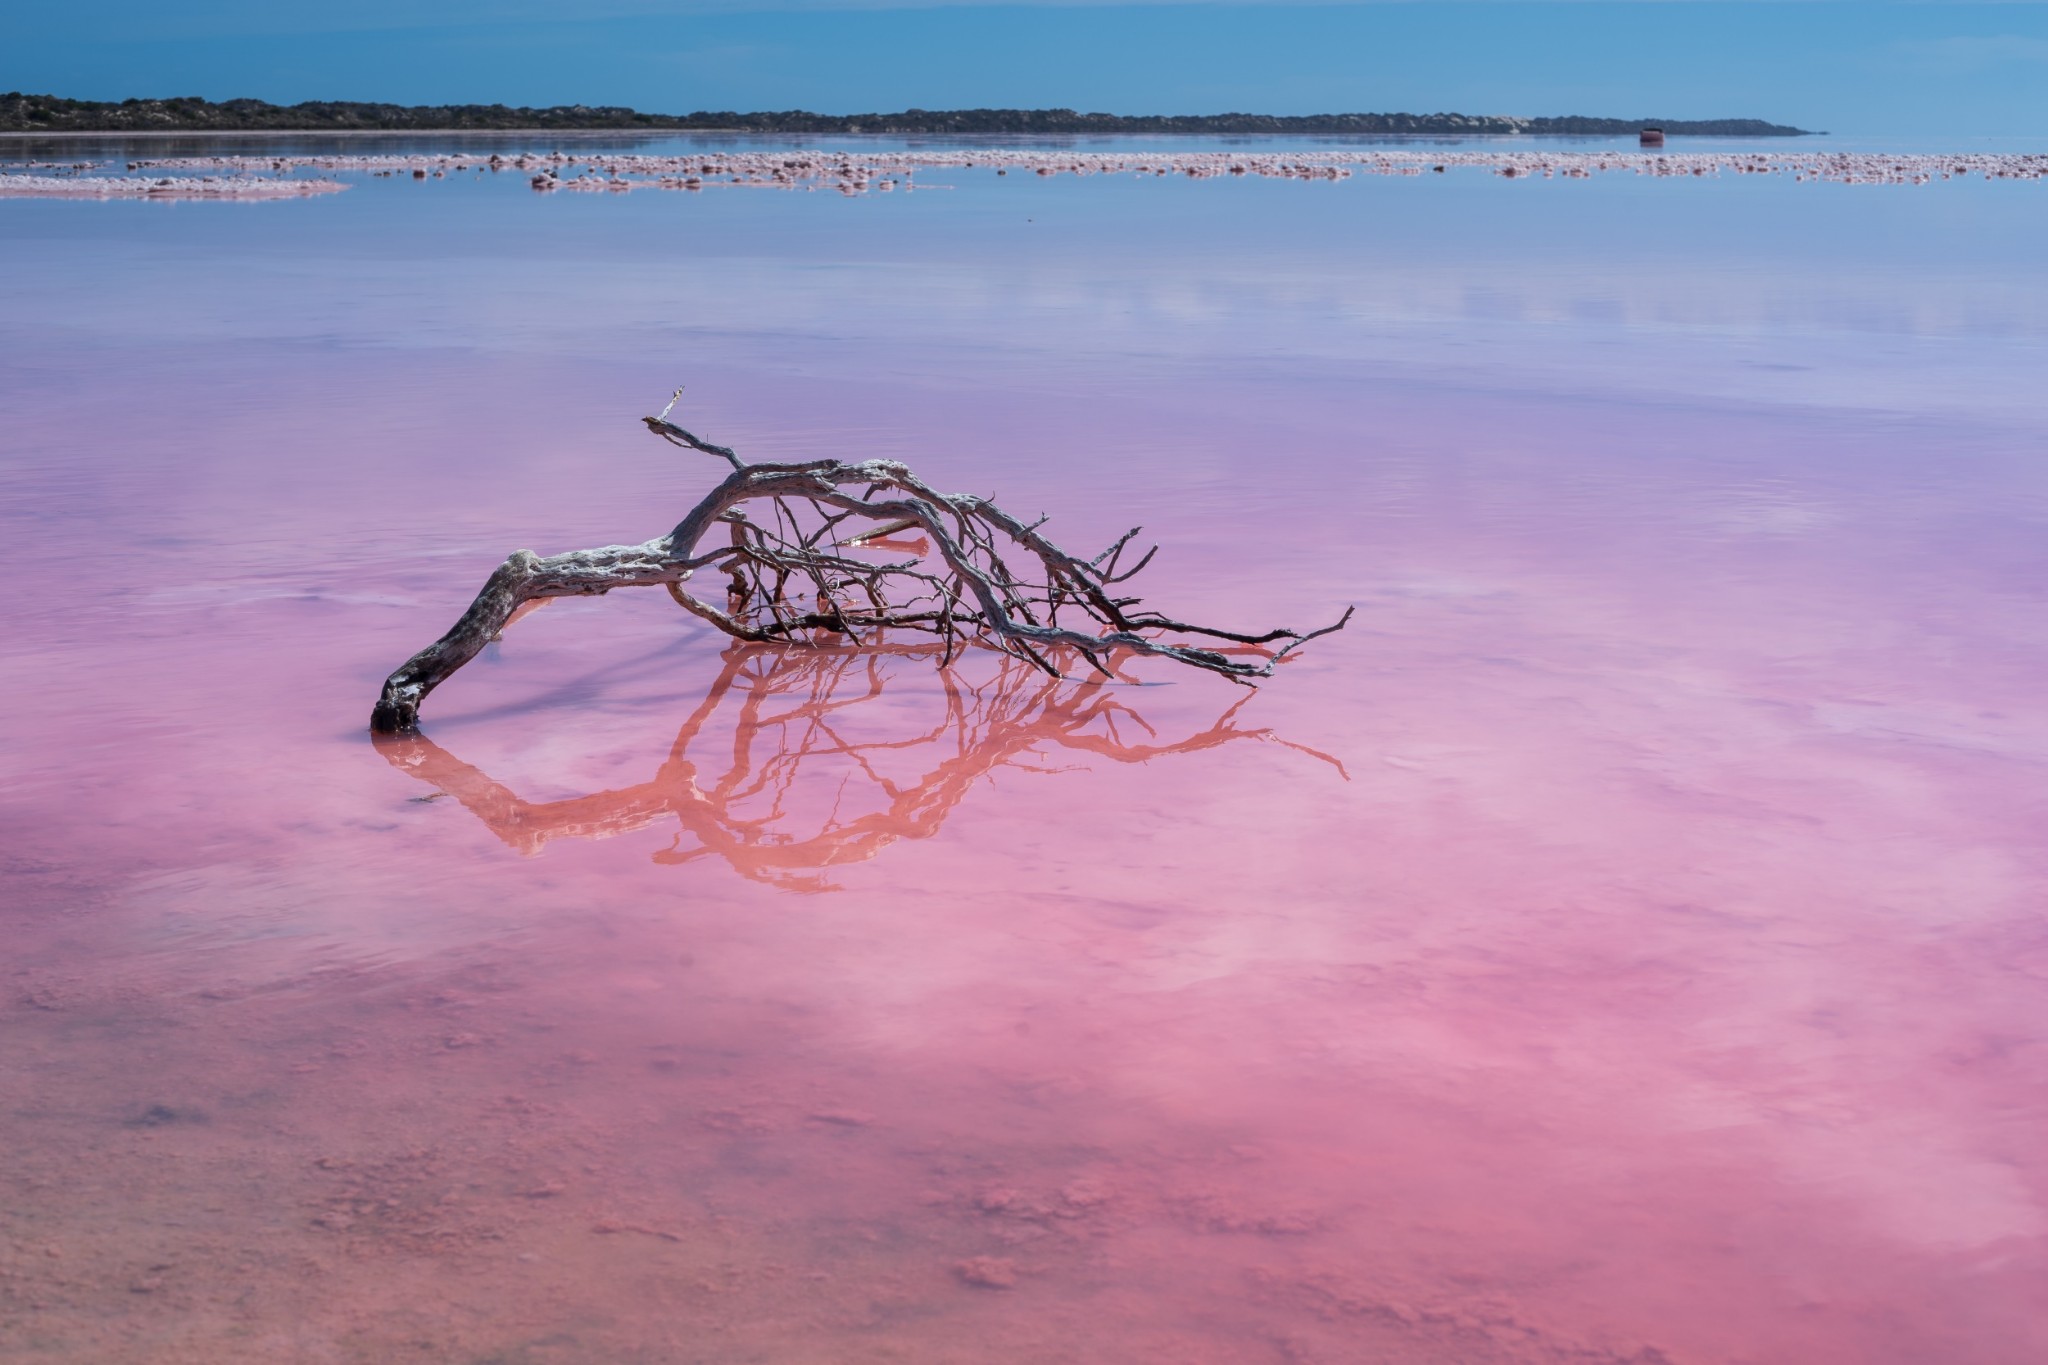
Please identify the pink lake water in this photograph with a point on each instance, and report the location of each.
(1624, 943)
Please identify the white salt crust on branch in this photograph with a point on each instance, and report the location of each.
(973, 577)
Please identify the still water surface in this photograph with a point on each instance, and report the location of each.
(1625, 943)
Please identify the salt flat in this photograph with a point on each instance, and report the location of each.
(1620, 944)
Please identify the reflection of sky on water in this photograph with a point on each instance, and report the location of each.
(1796, 293)
(1659, 981)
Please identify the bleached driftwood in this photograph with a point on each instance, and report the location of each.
(811, 521)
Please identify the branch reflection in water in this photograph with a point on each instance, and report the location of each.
(814, 772)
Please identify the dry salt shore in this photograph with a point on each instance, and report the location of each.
(247, 177)
(141, 187)
(840, 169)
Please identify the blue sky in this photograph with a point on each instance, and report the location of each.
(1845, 66)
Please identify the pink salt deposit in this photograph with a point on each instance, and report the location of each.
(275, 177)
(883, 170)
(233, 186)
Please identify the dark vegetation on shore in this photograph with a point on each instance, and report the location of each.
(21, 113)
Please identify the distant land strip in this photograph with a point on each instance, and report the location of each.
(21, 113)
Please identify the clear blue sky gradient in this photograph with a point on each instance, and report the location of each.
(1955, 69)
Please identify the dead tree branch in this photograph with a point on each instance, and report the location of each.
(801, 567)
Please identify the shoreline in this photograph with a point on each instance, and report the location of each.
(47, 113)
(408, 132)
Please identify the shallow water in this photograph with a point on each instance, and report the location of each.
(1623, 943)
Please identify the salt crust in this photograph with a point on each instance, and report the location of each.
(140, 187)
(248, 177)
